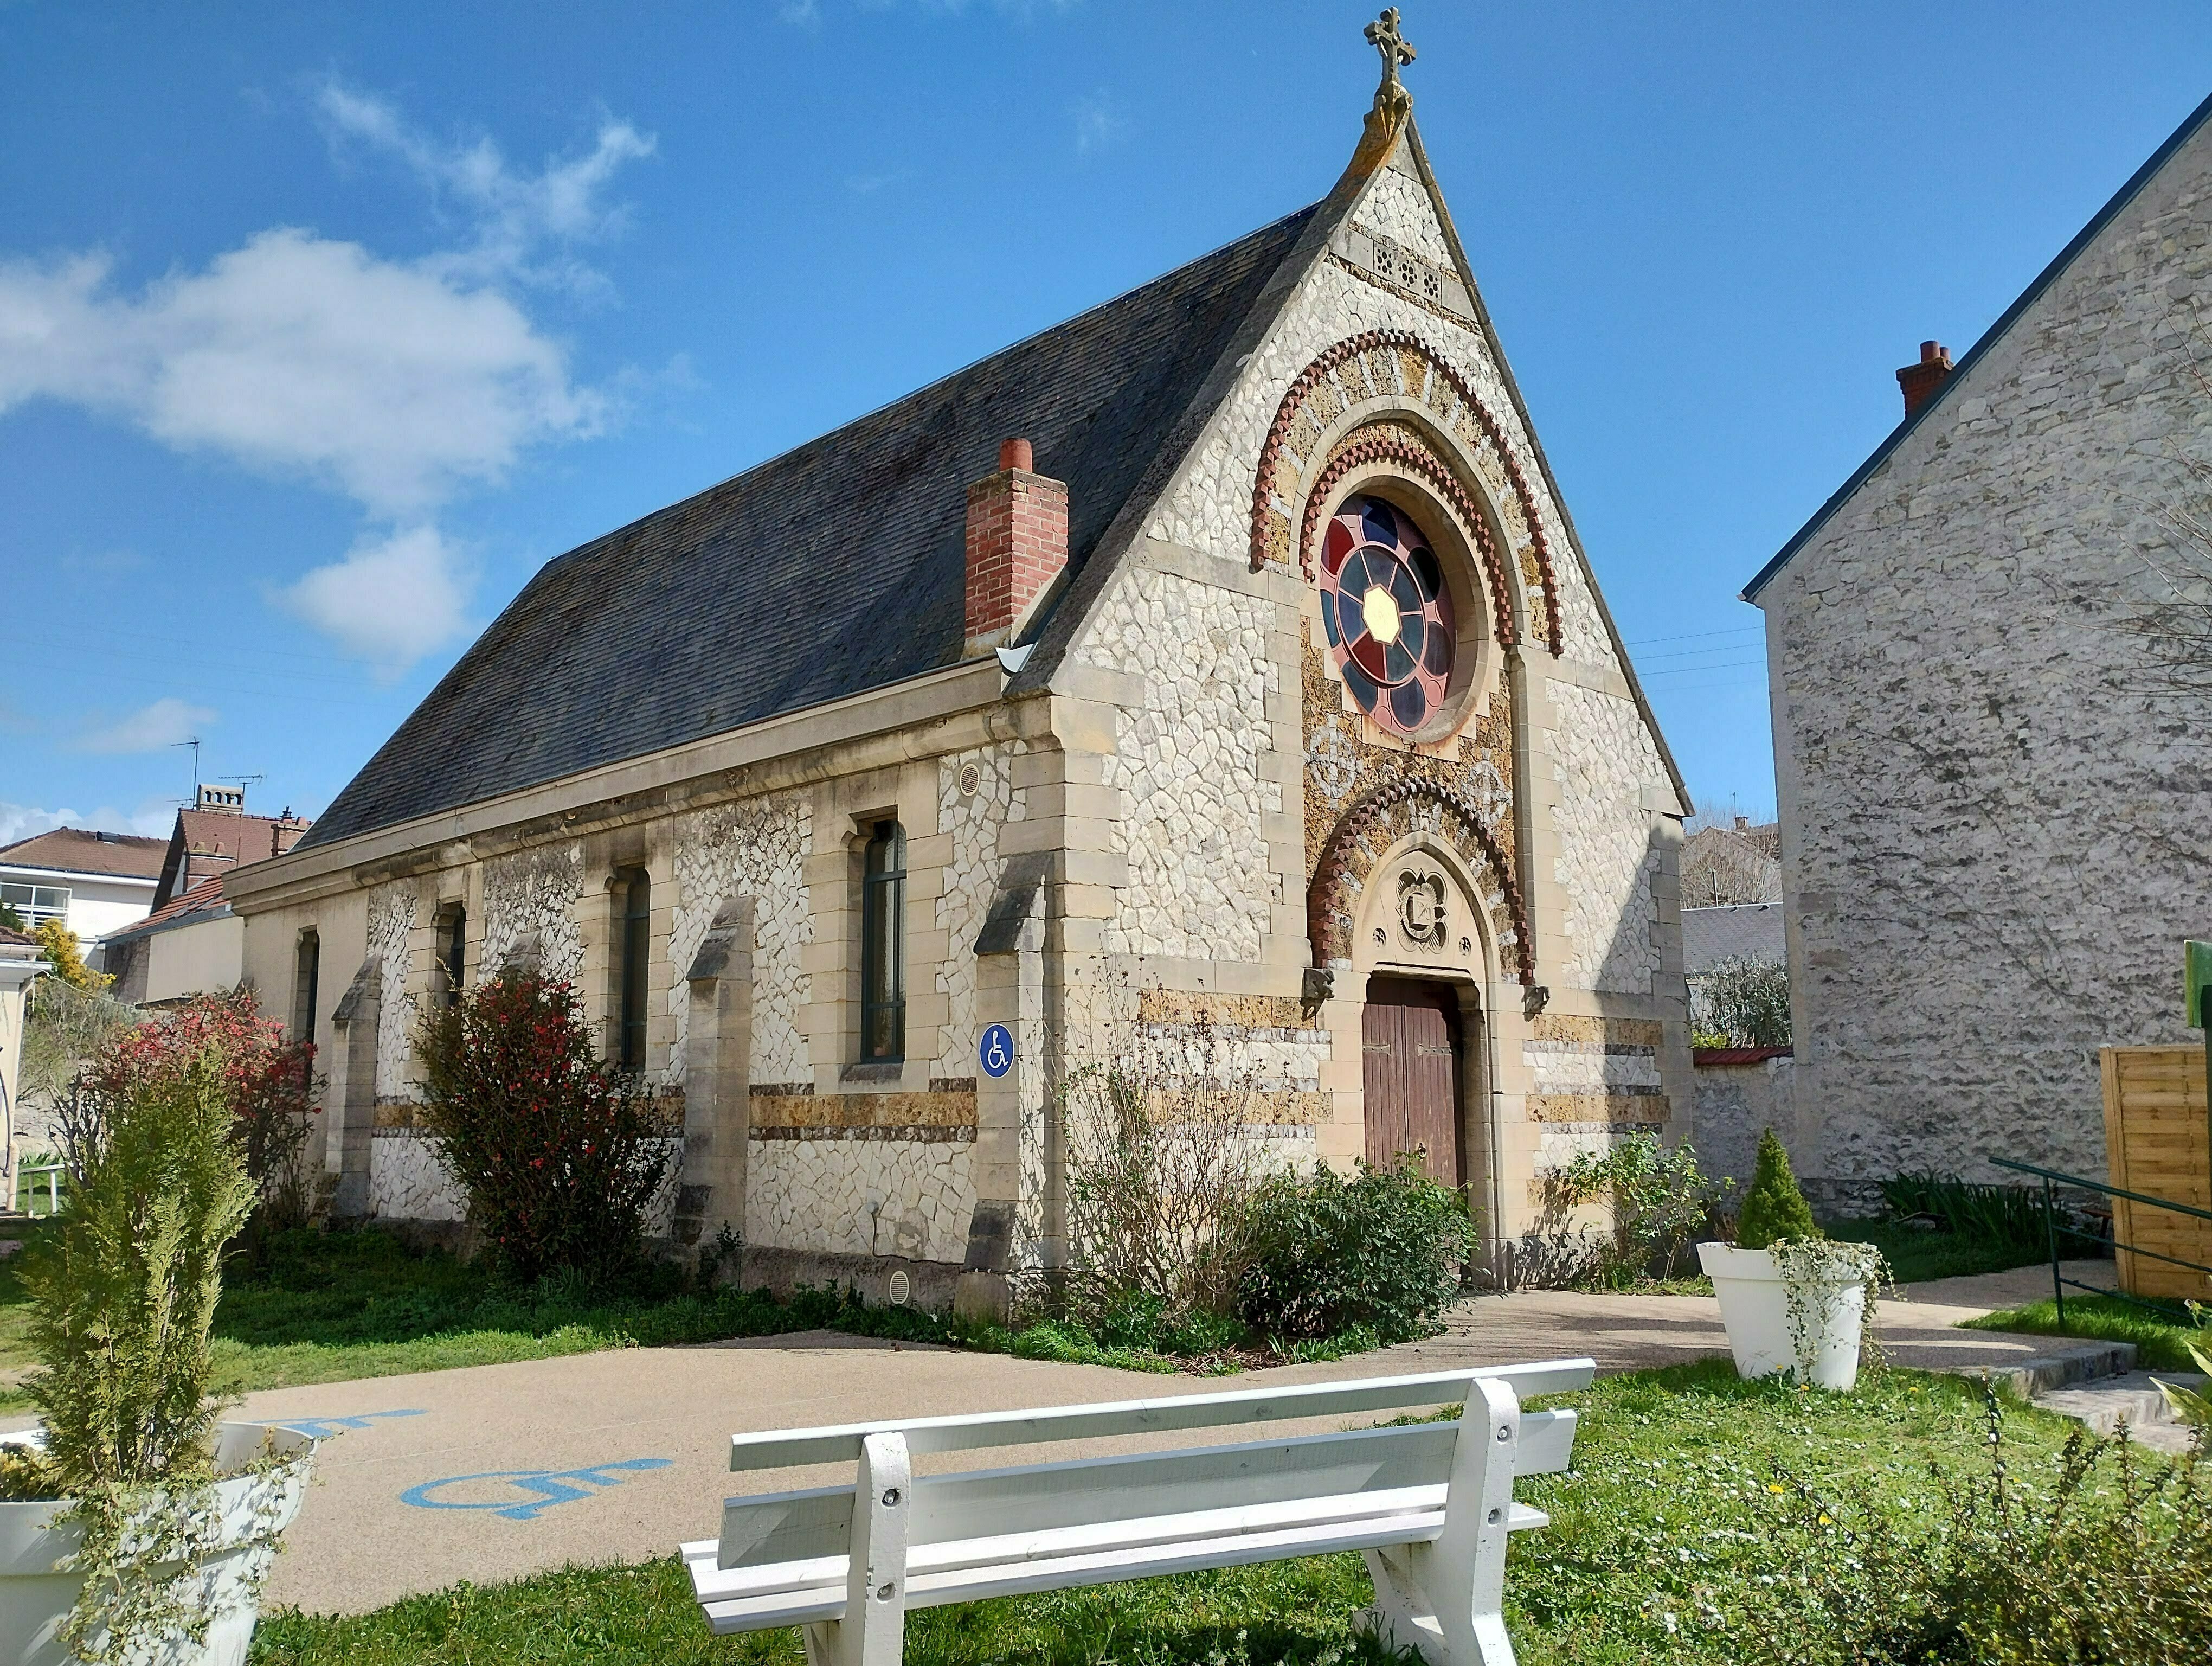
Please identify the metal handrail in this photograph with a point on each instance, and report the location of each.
(2053, 1178)
(53, 1171)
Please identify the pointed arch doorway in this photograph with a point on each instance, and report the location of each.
(1410, 1035)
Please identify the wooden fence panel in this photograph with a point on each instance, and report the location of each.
(2157, 1143)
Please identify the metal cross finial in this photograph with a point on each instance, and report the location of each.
(1384, 34)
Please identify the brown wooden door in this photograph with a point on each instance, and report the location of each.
(1410, 1038)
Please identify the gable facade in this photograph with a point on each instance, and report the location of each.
(1167, 822)
(1991, 793)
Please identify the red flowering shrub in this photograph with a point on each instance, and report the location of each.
(559, 1153)
(268, 1082)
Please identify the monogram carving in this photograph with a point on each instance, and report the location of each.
(1421, 907)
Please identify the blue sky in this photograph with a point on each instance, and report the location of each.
(322, 327)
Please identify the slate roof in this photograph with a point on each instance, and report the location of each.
(1750, 931)
(833, 568)
(1996, 334)
(81, 850)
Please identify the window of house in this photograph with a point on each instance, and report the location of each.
(883, 952)
(634, 943)
(35, 904)
(307, 971)
(452, 971)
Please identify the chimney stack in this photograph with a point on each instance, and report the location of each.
(1919, 381)
(1017, 546)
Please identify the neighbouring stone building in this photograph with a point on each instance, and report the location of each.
(1989, 681)
(1218, 668)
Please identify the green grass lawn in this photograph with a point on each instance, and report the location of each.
(1665, 1543)
(1916, 1256)
(2158, 1341)
(325, 1307)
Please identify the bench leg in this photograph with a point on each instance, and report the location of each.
(1444, 1599)
(873, 1631)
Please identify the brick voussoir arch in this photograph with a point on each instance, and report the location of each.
(1326, 901)
(1265, 488)
(1367, 447)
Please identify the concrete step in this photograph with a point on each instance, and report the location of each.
(2129, 1399)
(2084, 1362)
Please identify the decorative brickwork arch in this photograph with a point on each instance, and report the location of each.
(1400, 447)
(1377, 820)
(1374, 365)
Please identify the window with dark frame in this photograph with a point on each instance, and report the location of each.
(306, 975)
(452, 955)
(635, 941)
(883, 949)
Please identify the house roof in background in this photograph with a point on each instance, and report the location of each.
(2043, 279)
(220, 840)
(1747, 931)
(81, 850)
(204, 900)
(833, 568)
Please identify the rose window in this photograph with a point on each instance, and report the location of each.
(1387, 615)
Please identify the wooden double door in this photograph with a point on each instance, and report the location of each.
(1410, 1041)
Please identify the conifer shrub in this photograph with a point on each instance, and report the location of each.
(123, 1294)
(559, 1153)
(1381, 1251)
(1773, 1208)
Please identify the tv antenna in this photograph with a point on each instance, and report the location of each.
(192, 741)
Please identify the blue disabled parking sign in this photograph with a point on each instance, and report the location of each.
(997, 1050)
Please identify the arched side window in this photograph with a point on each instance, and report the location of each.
(883, 948)
(634, 946)
(451, 975)
(307, 978)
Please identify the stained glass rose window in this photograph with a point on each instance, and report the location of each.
(1386, 612)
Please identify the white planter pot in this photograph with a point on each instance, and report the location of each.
(1755, 1308)
(35, 1599)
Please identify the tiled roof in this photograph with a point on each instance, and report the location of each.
(205, 842)
(10, 938)
(831, 569)
(204, 898)
(1750, 931)
(80, 850)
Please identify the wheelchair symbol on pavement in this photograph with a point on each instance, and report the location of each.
(997, 1050)
(551, 1486)
(323, 1428)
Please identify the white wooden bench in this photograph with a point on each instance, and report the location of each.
(1429, 1504)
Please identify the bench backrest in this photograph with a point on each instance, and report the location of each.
(780, 1449)
(818, 1523)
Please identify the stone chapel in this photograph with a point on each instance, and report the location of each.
(1225, 656)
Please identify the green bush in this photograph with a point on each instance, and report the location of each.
(1381, 1251)
(1661, 1198)
(1773, 1207)
(1741, 1003)
(123, 1296)
(2008, 1215)
(559, 1154)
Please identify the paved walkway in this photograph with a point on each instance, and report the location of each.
(493, 1471)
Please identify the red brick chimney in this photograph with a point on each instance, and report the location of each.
(1921, 380)
(1017, 546)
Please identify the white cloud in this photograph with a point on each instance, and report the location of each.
(1097, 124)
(391, 600)
(297, 355)
(166, 722)
(399, 384)
(21, 821)
(513, 212)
